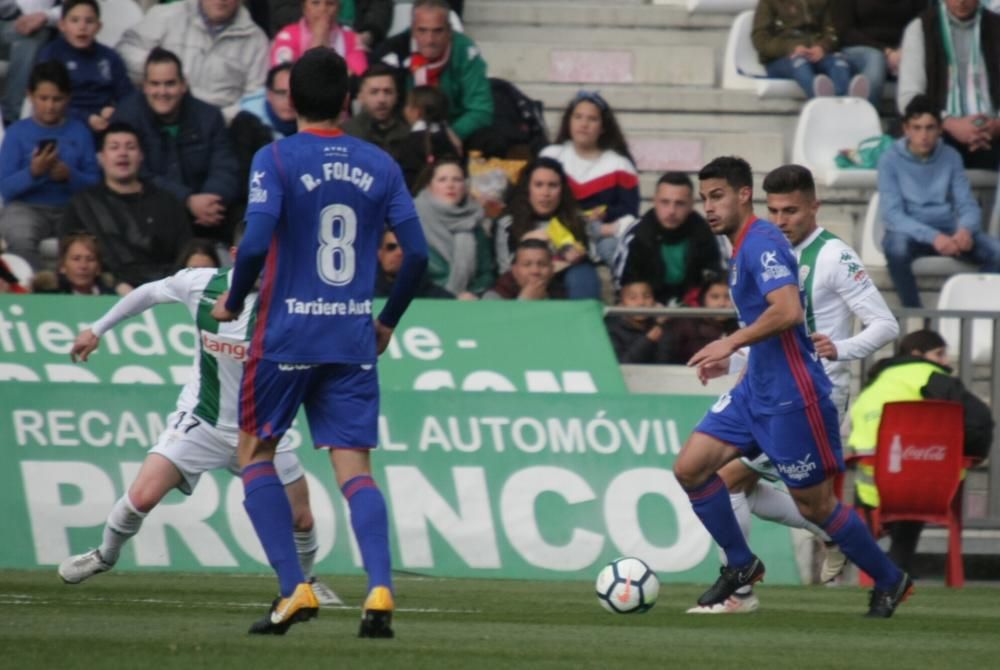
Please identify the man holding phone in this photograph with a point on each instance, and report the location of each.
(44, 160)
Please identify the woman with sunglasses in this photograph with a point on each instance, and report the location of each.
(592, 150)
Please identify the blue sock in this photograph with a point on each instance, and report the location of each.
(271, 514)
(371, 528)
(712, 505)
(852, 536)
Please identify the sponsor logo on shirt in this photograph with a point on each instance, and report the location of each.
(722, 403)
(320, 307)
(799, 470)
(931, 453)
(773, 269)
(258, 194)
(221, 347)
(854, 269)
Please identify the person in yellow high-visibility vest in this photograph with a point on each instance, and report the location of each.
(919, 371)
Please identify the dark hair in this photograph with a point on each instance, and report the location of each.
(532, 243)
(675, 179)
(432, 103)
(158, 56)
(523, 218)
(790, 179)
(198, 246)
(734, 170)
(921, 341)
(319, 84)
(611, 136)
(432, 4)
(70, 5)
(921, 104)
(113, 128)
(377, 70)
(711, 279)
(273, 73)
(52, 72)
(426, 175)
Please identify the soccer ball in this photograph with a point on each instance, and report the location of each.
(626, 586)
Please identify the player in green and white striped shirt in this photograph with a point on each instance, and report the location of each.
(837, 288)
(202, 433)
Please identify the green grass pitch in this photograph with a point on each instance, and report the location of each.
(154, 621)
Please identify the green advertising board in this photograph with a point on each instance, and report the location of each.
(508, 346)
(512, 485)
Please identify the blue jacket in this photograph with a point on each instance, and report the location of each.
(199, 159)
(75, 147)
(97, 75)
(922, 198)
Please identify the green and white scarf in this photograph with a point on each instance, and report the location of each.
(973, 97)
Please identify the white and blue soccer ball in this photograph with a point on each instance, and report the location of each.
(627, 586)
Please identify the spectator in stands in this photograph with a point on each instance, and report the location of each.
(600, 169)
(79, 269)
(430, 138)
(870, 33)
(199, 253)
(671, 248)
(224, 50)
(44, 160)
(9, 282)
(272, 106)
(370, 19)
(318, 27)
(24, 29)
(942, 58)
(429, 53)
(687, 336)
(461, 260)
(542, 207)
(927, 203)
(378, 121)
(140, 227)
(920, 371)
(798, 40)
(185, 146)
(530, 276)
(636, 339)
(97, 73)
(390, 259)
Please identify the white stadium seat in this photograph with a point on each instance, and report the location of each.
(975, 292)
(825, 127)
(742, 69)
(19, 268)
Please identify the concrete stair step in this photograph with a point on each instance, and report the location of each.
(567, 63)
(602, 14)
(585, 36)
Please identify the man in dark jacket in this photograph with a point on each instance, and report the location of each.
(185, 144)
(141, 228)
(378, 121)
(671, 248)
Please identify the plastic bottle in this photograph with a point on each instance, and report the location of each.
(896, 455)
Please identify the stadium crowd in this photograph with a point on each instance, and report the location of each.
(132, 161)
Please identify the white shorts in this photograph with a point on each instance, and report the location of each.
(195, 447)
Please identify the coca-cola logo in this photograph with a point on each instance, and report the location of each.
(932, 453)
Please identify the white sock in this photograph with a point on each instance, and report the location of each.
(742, 511)
(306, 547)
(123, 522)
(774, 504)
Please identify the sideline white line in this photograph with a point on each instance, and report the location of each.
(28, 599)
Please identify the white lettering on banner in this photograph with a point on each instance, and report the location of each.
(385, 439)
(50, 517)
(65, 428)
(67, 373)
(188, 519)
(930, 453)
(469, 531)
(517, 512)
(621, 507)
(136, 374)
(530, 435)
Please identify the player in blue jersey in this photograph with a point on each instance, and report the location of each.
(318, 203)
(781, 404)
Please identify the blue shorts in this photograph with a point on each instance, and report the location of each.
(341, 401)
(804, 444)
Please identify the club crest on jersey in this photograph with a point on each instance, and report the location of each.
(773, 269)
(804, 271)
(854, 268)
